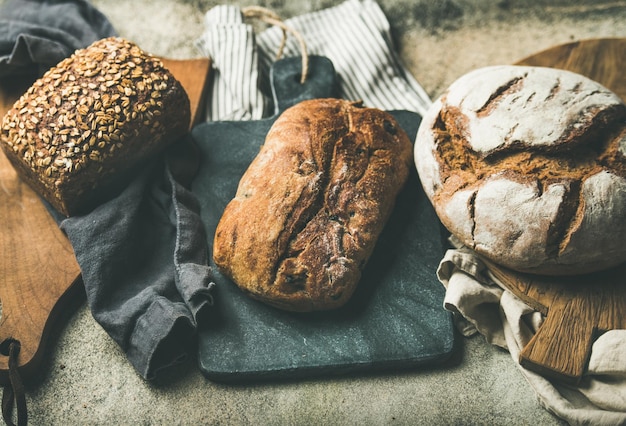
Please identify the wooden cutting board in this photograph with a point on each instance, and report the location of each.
(578, 308)
(40, 276)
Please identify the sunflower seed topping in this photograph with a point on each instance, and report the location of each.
(91, 109)
(84, 105)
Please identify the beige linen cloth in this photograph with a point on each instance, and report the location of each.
(481, 304)
(356, 36)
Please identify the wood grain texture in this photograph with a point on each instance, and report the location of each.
(40, 276)
(601, 60)
(193, 75)
(577, 308)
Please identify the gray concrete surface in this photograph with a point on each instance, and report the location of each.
(87, 380)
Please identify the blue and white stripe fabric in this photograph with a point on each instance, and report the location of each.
(354, 35)
(233, 93)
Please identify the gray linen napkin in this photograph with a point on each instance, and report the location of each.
(37, 34)
(142, 253)
(143, 259)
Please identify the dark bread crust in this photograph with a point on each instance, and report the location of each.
(92, 118)
(527, 166)
(310, 207)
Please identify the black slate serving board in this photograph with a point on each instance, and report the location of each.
(395, 319)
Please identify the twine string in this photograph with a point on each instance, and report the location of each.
(269, 17)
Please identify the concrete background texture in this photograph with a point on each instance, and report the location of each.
(86, 379)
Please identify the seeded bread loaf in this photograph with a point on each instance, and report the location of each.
(90, 119)
(310, 207)
(527, 166)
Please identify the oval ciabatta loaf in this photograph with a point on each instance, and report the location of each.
(89, 119)
(526, 165)
(310, 207)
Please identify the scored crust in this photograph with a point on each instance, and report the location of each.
(527, 166)
(310, 207)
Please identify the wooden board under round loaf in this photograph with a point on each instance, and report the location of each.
(527, 166)
(310, 207)
(90, 119)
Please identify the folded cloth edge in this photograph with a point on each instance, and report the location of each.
(596, 401)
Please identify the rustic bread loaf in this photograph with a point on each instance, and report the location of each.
(527, 166)
(310, 207)
(89, 119)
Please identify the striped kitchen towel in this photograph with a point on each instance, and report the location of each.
(354, 35)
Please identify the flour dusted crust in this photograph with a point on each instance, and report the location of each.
(90, 119)
(310, 207)
(527, 165)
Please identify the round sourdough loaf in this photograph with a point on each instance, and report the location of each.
(527, 166)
